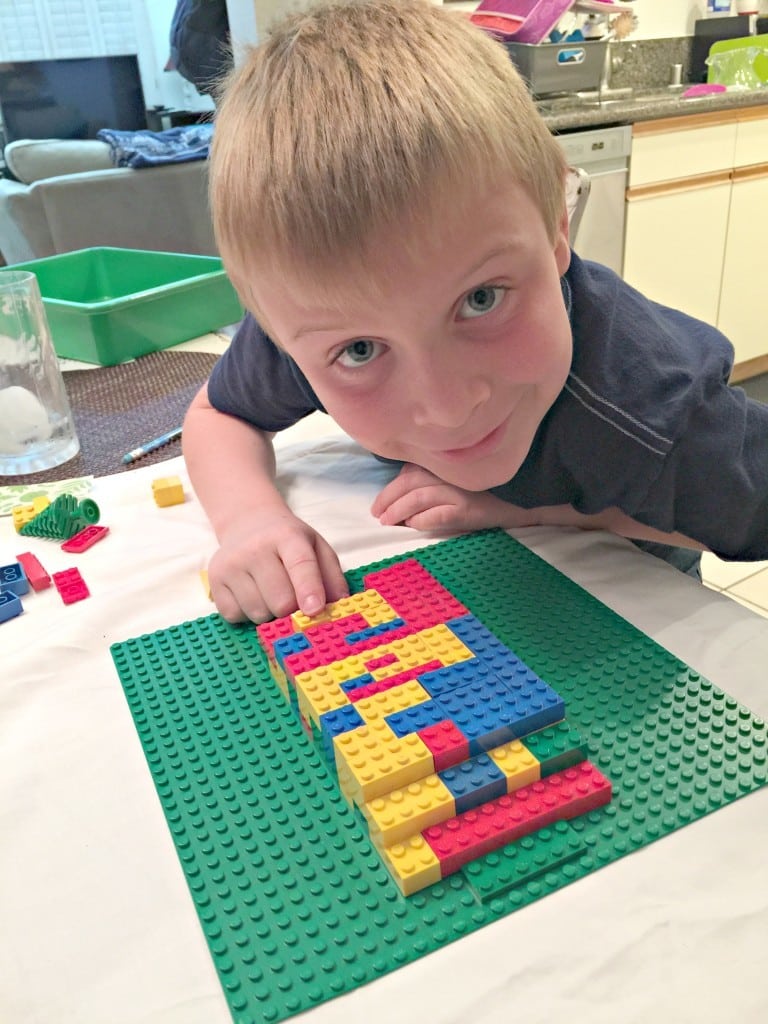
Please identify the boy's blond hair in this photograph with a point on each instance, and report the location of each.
(361, 115)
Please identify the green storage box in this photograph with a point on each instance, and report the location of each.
(108, 305)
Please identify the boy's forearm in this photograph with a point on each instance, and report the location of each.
(231, 465)
(615, 521)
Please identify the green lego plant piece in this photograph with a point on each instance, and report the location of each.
(294, 901)
(63, 518)
(521, 863)
(557, 747)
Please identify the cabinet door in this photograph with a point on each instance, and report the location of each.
(675, 240)
(743, 307)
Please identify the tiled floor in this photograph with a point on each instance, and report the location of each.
(745, 582)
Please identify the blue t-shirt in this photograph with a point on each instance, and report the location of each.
(646, 420)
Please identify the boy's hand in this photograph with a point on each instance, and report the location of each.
(419, 499)
(271, 565)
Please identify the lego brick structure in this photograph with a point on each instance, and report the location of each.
(293, 898)
(377, 677)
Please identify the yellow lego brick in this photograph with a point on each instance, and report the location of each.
(167, 490)
(371, 605)
(519, 765)
(23, 514)
(206, 583)
(279, 677)
(318, 691)
(378, 706)
(445, 645)
(371, 761)
(396, 817)
(413, 865)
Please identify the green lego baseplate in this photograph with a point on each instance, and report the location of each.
(295, 903)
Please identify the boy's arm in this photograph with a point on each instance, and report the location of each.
(269, 562)
(418, 499)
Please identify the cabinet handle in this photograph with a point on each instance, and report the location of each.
(665, 188)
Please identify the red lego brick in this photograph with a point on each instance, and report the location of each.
(382, 662)
(477, 832)
(35, 573)
(447, 744)
(70, 586)
(268, 632)
(414, 593)
(85, 539)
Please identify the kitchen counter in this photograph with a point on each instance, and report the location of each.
(586, 110)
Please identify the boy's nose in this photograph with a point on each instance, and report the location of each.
(446, 396)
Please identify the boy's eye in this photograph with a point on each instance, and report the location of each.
(481, 301)
(359, 352)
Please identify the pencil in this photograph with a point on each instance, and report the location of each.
(150, 446)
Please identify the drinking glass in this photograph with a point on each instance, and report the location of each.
(37, 431)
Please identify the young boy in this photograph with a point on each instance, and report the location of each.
(390, 207)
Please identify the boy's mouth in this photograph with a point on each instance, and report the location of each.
(485, 446)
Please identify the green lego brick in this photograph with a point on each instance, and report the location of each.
(557, 747)
(522, 863)
(294, 901)
(63, 518)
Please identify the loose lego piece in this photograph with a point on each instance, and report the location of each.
(85, 539)
(206, 584)
(23, 514)
(35, 573)
(63, 518)
(70, 586)
(10, 605)
(168, 490)
(13, 579)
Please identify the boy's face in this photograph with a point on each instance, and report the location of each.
(453, 359)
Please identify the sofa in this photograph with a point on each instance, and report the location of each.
(66, 194)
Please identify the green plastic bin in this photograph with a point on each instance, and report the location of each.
(107, 305)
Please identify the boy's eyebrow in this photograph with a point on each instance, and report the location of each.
(311, 329)
(490, 256)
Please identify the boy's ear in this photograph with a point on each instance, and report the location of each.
(563, 244)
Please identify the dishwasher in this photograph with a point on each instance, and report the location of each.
(604, 154)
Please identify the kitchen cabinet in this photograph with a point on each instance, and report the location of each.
(697, 208)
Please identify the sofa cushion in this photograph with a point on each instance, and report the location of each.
(36, 159)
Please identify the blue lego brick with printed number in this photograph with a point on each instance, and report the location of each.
(10, 605)
(413, 719)
(334, 723)
(455, 677)
(288, 645)
(371, 631)
(14, 579)
(498, 658)
(474, 782)
(490, 714)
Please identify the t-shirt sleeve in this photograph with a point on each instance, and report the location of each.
(257, 382)
(714, 483)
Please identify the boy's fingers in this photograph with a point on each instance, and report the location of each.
(336, 585)
(301, 563)
(402, 484)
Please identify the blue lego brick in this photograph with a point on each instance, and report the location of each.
(455, 677)
(14, 579)
(494, 654)
(474, 782)
(491, 713)
(357, 682)
(334, 723)
(371, 631)
(10, 606)
(410, 720)
(288, 645)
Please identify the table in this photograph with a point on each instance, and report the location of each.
(96, 920)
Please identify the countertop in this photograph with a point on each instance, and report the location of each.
(578, 111)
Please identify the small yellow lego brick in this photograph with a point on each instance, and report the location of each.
(318, 691)
(371, 605)
(23, 514)
(388, 702)
(520, 766)
(396, 817)
(445, 645)
(413, 865)
(167, 490)
(372, 761)
(206, 584)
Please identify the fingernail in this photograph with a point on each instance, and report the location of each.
(312, 604)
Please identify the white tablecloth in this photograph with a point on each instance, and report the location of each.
(96, 922)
